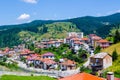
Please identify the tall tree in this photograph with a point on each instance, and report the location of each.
(97, 49)
(117, 37)
(114, 55)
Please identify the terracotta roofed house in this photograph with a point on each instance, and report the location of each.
(103, 43)
(48, 55)
(48, 64)
(82, 76)
(85, 40)
(67, 65)
(93, 39)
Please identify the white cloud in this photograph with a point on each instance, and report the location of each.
(23, 16)
(31, 1)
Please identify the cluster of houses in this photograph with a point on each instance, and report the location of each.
(47, 43)
(47, 61)
(76, 40)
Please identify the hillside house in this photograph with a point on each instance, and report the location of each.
(85, 40)
(75, 34)
(67, 65)
(93, 38)
(73, 40)
(103, 43)
(48, 55)
(77, 45)
(100, 61)
(58, 43)
(49, 64)
(26, 52)
(50, 44)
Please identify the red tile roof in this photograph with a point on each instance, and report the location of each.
(68, 62)
(76, 39)
(33, 57)
(103, 41)
(48, 61)
(26, 51)
(82, 76)
(117, 78)
(85, 39)
(48, 54)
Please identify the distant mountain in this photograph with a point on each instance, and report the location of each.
(11, 34)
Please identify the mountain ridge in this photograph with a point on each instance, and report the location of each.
(88, 24)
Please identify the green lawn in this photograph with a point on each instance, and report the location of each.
(116, 64)
(112, 48)
(13, 77)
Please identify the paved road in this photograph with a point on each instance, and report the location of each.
(55, 73)
(31, 70)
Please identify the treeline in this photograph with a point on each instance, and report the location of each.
(9, 34)
(116, 37)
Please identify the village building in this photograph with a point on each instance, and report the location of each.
(25, 52)
(93, 38)
(85, 40)
(48, 55)
(75, 34)
(66, 64)
(49, 64)
(100, 61)
(103, 43)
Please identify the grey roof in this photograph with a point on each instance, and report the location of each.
(100, 55)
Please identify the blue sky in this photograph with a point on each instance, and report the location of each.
(22, 11)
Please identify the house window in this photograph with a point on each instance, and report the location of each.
(97, 60)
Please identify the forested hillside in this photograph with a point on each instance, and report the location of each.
(14, 34)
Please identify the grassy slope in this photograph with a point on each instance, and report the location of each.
(112, 48)
(58, 29)
(54, 30)
(115, 67)
(12, 77)
(116, 64)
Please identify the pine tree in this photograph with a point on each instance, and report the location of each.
(117, 37)
(97, 49)
(114, 55)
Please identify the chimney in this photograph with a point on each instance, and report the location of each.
(110, 76)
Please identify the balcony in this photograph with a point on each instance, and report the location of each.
(97, 66)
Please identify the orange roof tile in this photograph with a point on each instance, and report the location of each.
(103, 41)
(48, 61)
(117, 78)
(82, 76)
(76, 39)
(68, 62)
(84, 39)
